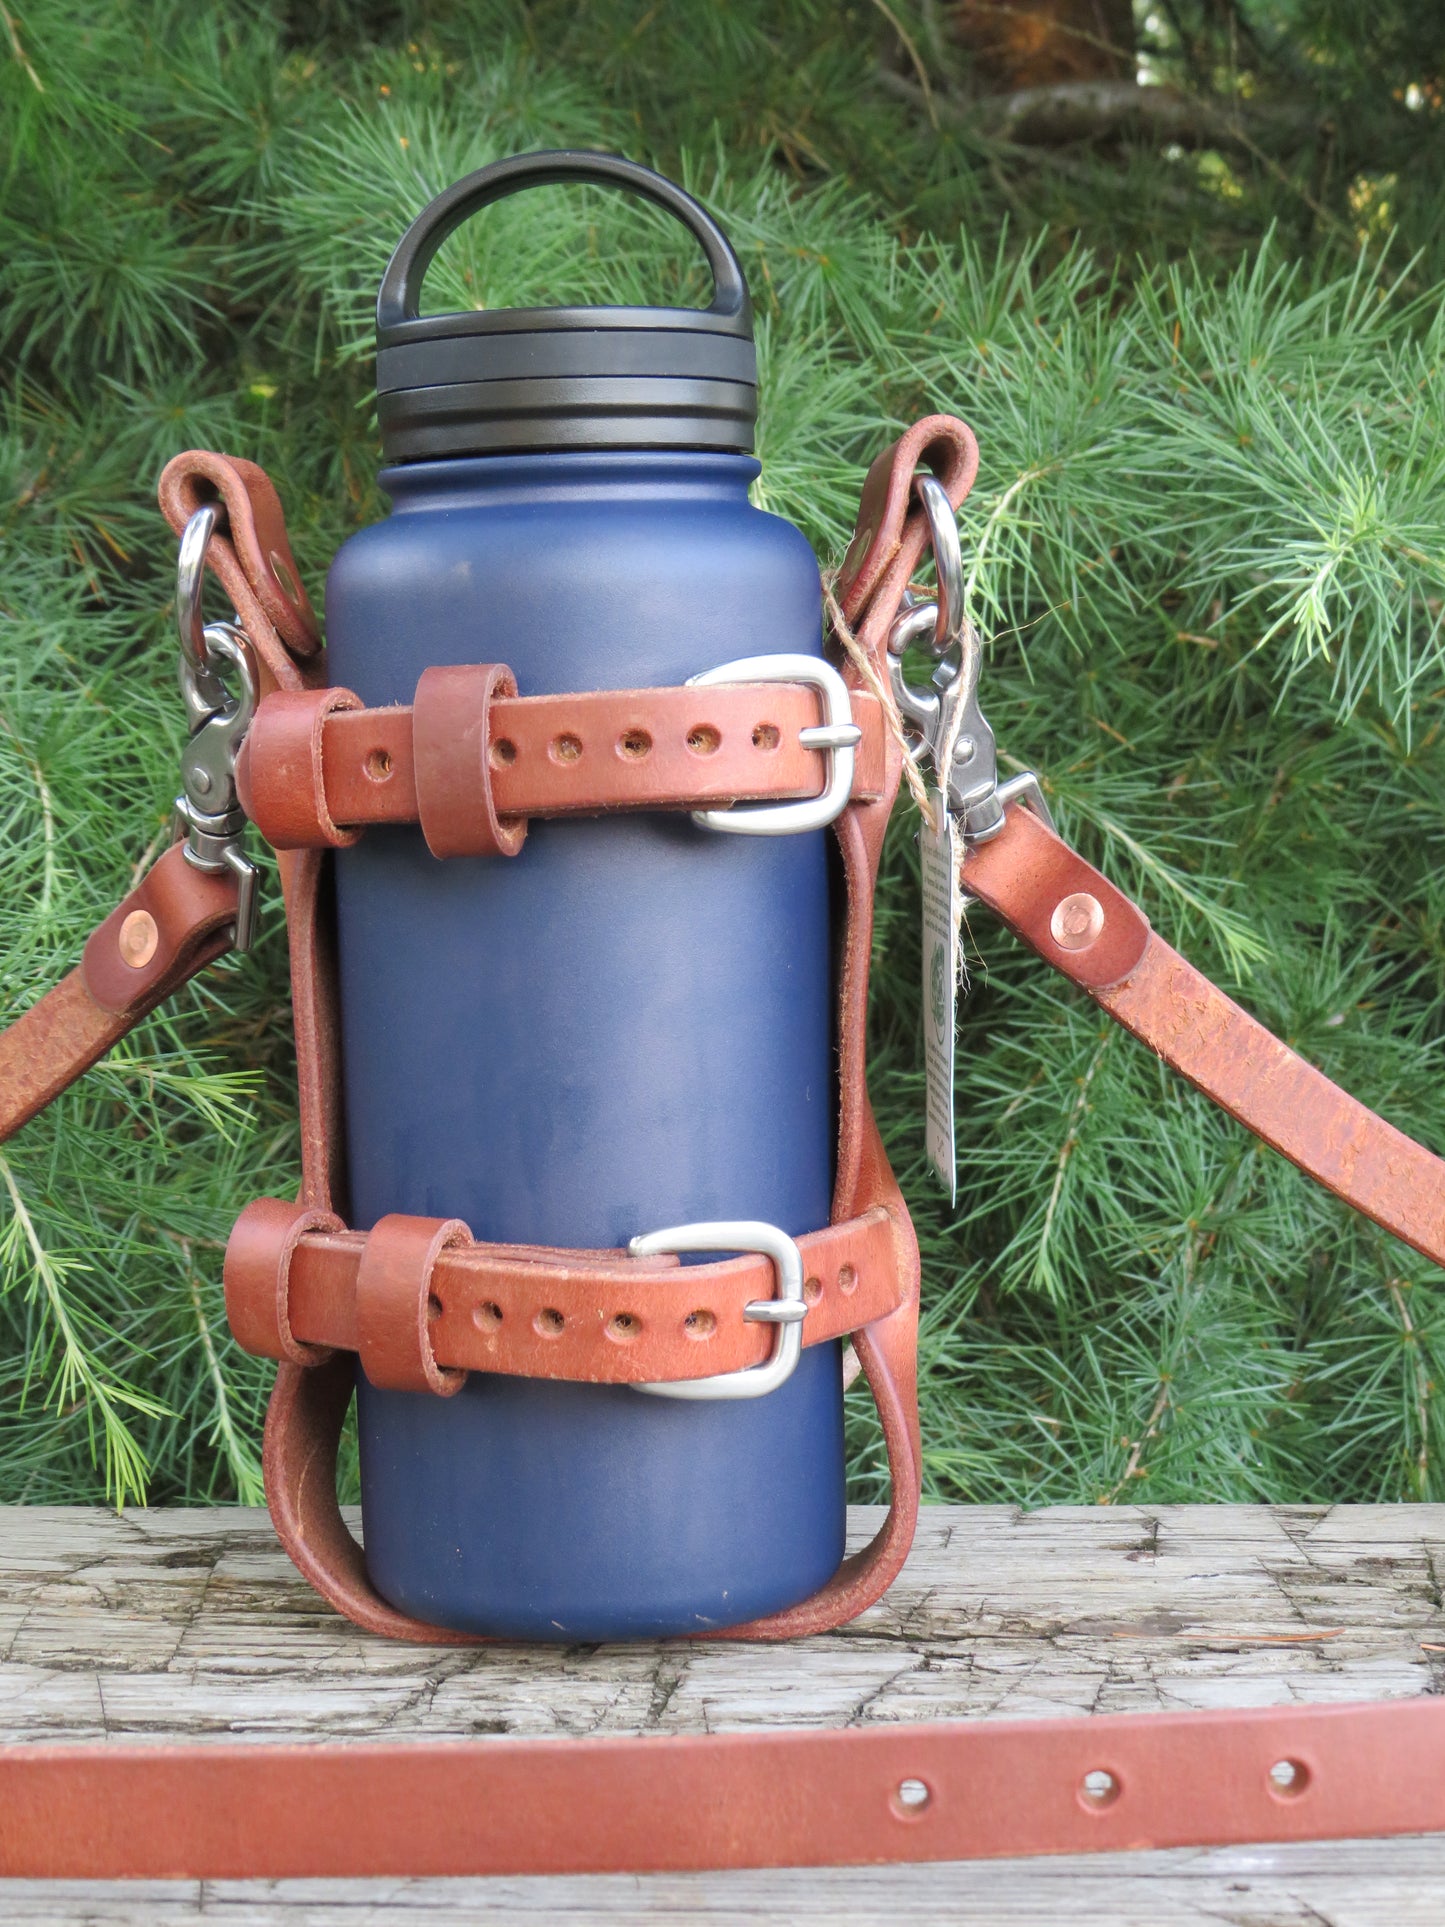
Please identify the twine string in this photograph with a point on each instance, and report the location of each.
(862, 660)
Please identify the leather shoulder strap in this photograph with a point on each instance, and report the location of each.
(1090, 932)
(176, 921)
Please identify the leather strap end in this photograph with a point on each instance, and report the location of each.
(257, 1277)
(174, 920)
(395, 1307)
(255, 564)
(280, 776)
(892, 530)
(1061, 906)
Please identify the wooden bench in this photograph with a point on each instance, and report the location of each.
(188, 1624)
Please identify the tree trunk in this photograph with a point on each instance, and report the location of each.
(1015, 44)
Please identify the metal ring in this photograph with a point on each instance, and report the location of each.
(190, 575)
(948, 559)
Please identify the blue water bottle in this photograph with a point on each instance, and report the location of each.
(627, 1026)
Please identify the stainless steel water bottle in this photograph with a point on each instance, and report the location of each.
(627, 1026)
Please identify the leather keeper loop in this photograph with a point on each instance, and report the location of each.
(394, 1303)
(451, 742)
(279, 774)
(257, 1275)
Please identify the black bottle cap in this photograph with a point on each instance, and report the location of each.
(511, 379)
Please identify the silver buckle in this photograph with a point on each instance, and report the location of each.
(836, 736)
(786, 1308)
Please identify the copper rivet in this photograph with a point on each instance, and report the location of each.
(1077, 921)
(138, 939)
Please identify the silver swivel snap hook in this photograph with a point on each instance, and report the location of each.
(213, 656)
(951, 730)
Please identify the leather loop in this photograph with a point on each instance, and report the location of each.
(279, 773)
(395, 1307)
(892, 530)
(452, 748)
(257, 1275)
(251, 555)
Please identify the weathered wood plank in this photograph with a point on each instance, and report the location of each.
(187, 1623)
(191, 1624)
(1359, 1883)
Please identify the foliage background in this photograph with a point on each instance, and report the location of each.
(1208, 541)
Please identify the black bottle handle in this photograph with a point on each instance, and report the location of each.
(400, 296)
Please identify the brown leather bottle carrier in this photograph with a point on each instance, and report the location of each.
(301, 760)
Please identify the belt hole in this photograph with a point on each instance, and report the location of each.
(549, 1323)
(566, 749)
(1288, 1779)
(1099, 1788)
(703, 740)
(624, 1327)
(699, 1324)
(911, 1799)
(812, 1291)
(634, 743)
(502, 752)
(847, 1280)
(433, 1306)
(766, 736)
(487, 1317)
(378, 765)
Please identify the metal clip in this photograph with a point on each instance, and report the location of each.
(208, 810)
(950, 727)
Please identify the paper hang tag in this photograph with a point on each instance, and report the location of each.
(942, 915)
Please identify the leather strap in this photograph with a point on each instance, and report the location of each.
(766, 1798)
(1028, 875)
(176, 921)
(298, 1288)
(471, 760)
(178, 918)
(283, 662)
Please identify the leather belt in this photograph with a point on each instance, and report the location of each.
(296, 1290)
(934, 1790)
(317, 767)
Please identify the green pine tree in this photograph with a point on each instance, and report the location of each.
(1207, 546)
